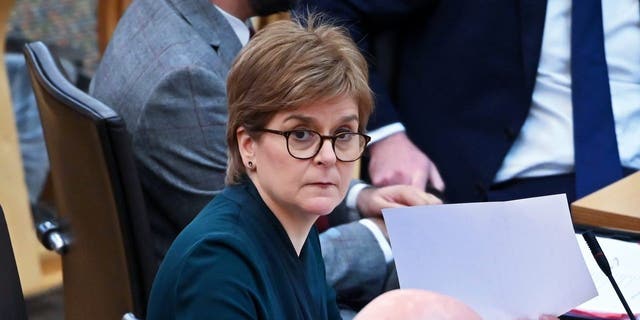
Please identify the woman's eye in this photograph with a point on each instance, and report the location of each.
(301, 134)
(342, 130)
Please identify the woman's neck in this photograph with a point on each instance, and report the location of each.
(298, 231)
(297, 225)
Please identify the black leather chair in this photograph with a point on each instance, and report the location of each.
(101, 229)
(12, 305)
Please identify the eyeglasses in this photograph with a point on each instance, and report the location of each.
(305, 144)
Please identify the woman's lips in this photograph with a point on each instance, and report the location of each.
(322, 184)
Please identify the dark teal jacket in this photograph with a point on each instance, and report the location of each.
(235, 261)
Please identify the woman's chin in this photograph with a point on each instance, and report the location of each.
(320, 206)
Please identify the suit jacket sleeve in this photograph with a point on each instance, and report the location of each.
(362, 18)
(354, 264)
(180, 142)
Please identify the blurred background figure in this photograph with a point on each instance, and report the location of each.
(68, 27)
(31, 139)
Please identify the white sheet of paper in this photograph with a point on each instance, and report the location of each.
(507, 260)
(624, 259)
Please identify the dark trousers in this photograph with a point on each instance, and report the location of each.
(538, 186)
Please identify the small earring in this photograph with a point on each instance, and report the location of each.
(250, 165)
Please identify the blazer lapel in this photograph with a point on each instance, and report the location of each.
(532, 13)
(211, 25)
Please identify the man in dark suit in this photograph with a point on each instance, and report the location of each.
(484, 89)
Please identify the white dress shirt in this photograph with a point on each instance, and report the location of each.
(239, 27)
(545, 143)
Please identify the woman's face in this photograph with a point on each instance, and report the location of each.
(311, 187)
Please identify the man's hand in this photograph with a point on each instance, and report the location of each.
(371, 201)
(396, 160)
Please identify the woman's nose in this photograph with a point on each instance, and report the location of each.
(326, 155)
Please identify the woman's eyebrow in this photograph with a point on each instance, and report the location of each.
(300, 118)
(307, 119)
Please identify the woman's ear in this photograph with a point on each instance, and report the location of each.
(246, 144)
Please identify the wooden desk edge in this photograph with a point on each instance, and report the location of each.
(604, 219)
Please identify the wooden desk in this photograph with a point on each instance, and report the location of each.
(38, 269)
(616, 206)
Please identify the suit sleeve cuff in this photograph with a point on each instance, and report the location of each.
(383, 132)
(382, 241)
(352, 195)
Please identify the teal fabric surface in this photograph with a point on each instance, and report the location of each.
(235, 261)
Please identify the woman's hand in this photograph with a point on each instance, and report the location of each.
(371, 201)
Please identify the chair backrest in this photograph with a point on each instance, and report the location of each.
(108, 267)
(12, 305)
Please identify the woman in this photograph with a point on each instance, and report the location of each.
(298, 104)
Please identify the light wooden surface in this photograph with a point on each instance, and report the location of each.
(109, 12)
(616, 206)
(39, 270)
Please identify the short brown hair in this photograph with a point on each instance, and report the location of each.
(286, 65)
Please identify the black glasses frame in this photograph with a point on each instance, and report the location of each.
(333, 139)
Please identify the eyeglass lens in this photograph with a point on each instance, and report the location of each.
(348, 146)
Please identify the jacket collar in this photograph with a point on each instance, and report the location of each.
(210, 25)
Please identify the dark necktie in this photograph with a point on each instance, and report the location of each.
(597, 162)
